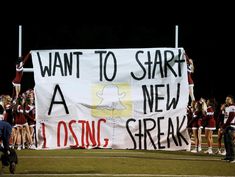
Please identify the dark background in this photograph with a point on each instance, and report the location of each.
(209, 43)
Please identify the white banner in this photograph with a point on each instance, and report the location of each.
(111, 98)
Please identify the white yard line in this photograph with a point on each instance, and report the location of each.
(117, 157)
(103, 174)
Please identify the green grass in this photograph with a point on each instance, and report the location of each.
(113, 162)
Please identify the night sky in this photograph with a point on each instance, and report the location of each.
(210, 45)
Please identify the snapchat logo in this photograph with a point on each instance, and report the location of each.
(112, 100)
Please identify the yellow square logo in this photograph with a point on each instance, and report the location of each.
(112, 100)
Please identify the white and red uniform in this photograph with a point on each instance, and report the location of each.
(209, 119)
(229, 116)
(189, 69)
(197, 120)
(30, 112)
(19, 73)
(20, 119)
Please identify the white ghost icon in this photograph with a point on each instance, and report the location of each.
(111, 98)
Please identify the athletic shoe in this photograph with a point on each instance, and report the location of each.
(232, 161)
(218, 152)
(32, 146)
(223, 153)
(194, 150)
(209, 151)
(18, 148)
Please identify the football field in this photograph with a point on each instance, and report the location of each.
(107, 162)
